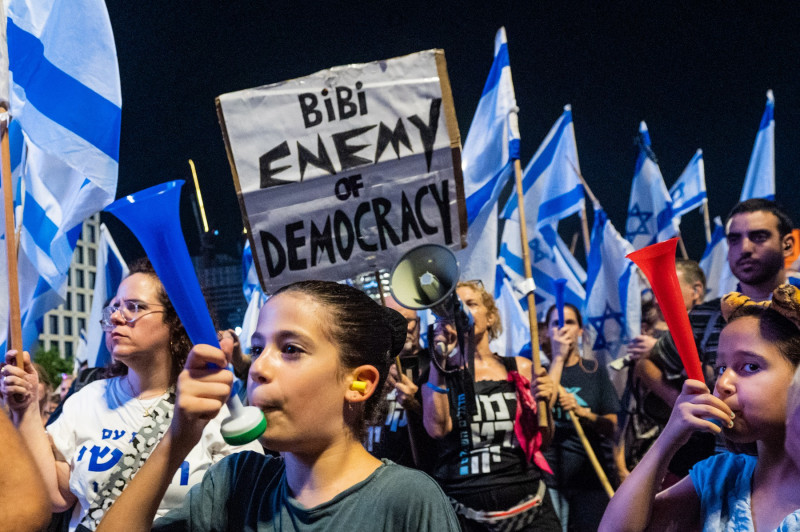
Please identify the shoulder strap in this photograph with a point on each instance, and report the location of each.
(123, 471)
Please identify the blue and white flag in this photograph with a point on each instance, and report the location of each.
(250, 283)
(719, 277)
(689, 191)
(650, 218)
(613, 311)
(516, 336)
(65, 94)
(111, 270)
(250, 321)
(760, 179)
(491, 146)
(551, 183)
(550, 260)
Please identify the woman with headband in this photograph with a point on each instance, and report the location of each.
(758, 355)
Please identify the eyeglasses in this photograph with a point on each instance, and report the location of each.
(129, 310)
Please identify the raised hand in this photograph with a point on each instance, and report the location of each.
(203, 387)
(696, 409)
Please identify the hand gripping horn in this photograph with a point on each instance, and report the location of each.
(657, 262)
(152, 215)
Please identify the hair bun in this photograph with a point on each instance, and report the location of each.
(398, 326)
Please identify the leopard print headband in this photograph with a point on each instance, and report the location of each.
(785, 301)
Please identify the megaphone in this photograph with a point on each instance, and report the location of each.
(426, 277)
(152, 216)
(657, 262)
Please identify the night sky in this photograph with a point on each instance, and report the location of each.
(697, 74)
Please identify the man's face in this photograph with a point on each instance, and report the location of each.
(412, 333)
(755, 249)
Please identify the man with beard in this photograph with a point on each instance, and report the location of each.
(759, 235)
(398, 435)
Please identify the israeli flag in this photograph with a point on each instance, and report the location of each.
(613, 311)
(111, 270)
(551, 184)
(760, 179)
(650, 217)
(254, 295)
(550, 260)
(250, 282)
(250, 321)
(689, 191)
(65, 94)
(516, 336)
(719, 277)
(491, 146)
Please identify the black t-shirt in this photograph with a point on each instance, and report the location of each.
(566, 455)
(496, 460)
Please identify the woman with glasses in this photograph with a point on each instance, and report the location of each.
(489, 463)
(98, 425)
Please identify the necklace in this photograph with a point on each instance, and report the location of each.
(139, 397)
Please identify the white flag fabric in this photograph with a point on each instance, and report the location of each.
(551, 184)
(650, 218)
(250, 321)
(613, 311)
(689, 191)
(760, 179)
(516, 335)
(65, 94)
(491, 146)
(111, 270)
(719, 277)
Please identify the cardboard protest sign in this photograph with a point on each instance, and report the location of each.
(343, 171)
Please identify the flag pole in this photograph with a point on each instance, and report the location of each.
(585, 227)
(601, 475)
(14, 318)
(682, 246)
(533, 324)
(706, 220)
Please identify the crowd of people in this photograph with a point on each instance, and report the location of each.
(367, 428)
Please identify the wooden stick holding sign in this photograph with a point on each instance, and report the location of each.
(14, 318)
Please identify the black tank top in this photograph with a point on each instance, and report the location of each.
(496, 458)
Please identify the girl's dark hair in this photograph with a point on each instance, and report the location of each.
(179, 343)
(577, 312)
(775, 329)
(365, 333)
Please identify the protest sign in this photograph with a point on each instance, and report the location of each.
(345, 170)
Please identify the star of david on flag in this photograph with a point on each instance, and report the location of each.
(650, 217)
(613, 304)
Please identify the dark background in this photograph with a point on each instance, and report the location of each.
(697, 73)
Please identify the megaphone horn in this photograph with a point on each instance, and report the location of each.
(657, 262)
(152, 216)
(425, 277)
